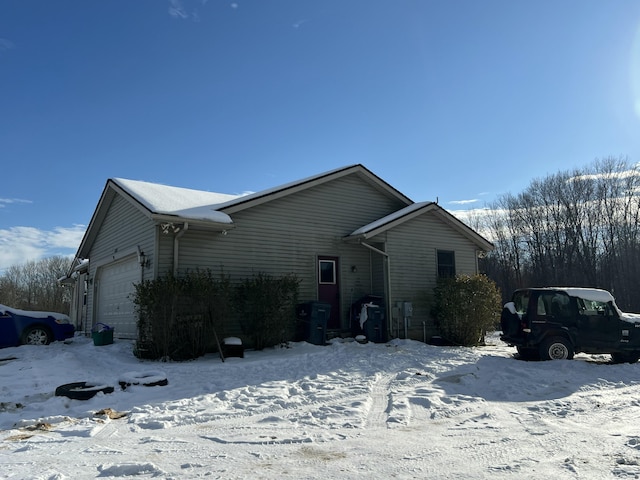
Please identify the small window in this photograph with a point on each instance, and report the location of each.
(327, 271)
(446, 264)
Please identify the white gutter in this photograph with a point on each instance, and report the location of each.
(176, 247)
(387, 281)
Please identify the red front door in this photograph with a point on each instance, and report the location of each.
(329, 288)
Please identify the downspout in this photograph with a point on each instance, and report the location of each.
(176, 247)
(387, 281)
(141, 262)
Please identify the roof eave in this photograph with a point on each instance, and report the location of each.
(394, 222)
(287, 189)
(160, 218)
(355, 238)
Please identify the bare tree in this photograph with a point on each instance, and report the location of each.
(34, 285)
(577, 227)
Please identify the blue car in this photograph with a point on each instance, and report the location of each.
(22, 327)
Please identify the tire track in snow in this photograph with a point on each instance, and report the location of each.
(380, 403)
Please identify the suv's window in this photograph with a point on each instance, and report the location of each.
(554, 304)
(593, 308)
(521, 301)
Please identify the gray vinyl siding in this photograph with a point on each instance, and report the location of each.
(124, 227)
(165, 251)
(286, 236)
(413, 248)
(378, 271)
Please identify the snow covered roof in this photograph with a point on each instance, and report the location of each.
(203, 205)
(246, 201)
(182, 202)
(411, 211)
(593, 294)
(389, 219)
(163, 203)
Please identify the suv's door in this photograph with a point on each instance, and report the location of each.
(554, 311)
(514, 319)
(553, 307)
(599, 326)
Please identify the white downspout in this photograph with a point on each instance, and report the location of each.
(176, 247)
(387, 281)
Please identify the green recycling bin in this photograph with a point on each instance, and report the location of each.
(102, 334)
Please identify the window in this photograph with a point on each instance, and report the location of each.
(593, 307)
(327, 271)
(446, 264)
(521, 301)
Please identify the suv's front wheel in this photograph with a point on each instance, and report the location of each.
(556, 348)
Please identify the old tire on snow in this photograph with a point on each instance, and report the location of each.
(146, 379)
(82, 390)
(556, 348)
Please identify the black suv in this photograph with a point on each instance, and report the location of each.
(555, 323)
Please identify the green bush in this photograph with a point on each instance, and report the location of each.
(465, 308)
(266, 308)
(179, 317)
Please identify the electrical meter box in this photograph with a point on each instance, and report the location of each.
(407, 309)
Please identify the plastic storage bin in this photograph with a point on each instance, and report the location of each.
(102, 334)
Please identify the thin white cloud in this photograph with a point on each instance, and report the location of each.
(7, 201)
(234, 5)
(19, 245)
(463, 202)
(187, 9)
(605, 175)
(299, 23)
(176, 9)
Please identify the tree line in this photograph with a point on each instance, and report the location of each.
(34, 285)
(573, 228)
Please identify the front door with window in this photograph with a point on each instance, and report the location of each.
(329, 288)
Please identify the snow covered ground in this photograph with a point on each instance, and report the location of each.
(347, 410)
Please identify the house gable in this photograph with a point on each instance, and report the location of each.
(409, 213)
(282, 191)
(160, 203)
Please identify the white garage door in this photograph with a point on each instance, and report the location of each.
(115, 296)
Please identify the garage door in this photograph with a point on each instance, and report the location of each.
(115, 296)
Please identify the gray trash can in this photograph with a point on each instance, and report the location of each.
(312, 321)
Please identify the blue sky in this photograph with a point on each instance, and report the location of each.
(459, 100)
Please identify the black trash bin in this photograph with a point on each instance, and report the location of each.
(312, 321)
(374, 327)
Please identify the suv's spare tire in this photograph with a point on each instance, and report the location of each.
(82, 390)
(146, 379)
